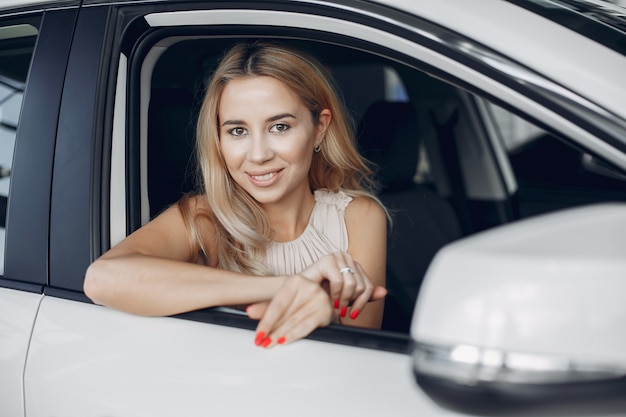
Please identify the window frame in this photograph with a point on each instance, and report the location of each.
(27, 231)
(388, 33)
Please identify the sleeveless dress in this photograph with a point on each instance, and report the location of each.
(325, 233)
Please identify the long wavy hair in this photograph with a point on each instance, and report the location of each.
(242, 228)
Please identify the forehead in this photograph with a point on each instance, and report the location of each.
(257, 92)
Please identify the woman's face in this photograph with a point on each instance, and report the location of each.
(267, 138)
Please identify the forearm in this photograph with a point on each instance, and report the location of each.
(152, 286)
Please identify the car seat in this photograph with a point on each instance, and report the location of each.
(171, 143)
(422, 221)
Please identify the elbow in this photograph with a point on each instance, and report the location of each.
(96, 284)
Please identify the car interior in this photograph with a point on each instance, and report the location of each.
(434, 166)
(386, 123)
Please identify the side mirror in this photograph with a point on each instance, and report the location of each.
(531, 305)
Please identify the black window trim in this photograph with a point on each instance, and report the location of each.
(26, 252)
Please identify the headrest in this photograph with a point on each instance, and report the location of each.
(389, 138)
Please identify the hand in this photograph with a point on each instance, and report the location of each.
(299, 307)
(348, 285)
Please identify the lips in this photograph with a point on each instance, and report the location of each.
(265, 178)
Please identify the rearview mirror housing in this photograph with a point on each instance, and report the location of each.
(538, 302)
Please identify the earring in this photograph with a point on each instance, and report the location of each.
(318, 147)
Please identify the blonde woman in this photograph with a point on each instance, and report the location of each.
(284, 223)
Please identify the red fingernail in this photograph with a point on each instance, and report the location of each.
(259, 338)
(266, 342)
(336, 303)
(344, 310)
(354, 314)
(281, 340)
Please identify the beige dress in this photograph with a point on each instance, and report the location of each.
(326, 233)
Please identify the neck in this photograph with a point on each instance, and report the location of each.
(288, 220)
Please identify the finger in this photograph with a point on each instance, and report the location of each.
(352, 281)
(303, 325)
(255, 311)
(313, 311)
(338, 270)
(379, 293)
(278, 307)
(325, 272)
(348, 292)
(361, 299)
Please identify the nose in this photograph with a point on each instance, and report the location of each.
(260, 150)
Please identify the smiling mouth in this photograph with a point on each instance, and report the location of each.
(265, 177)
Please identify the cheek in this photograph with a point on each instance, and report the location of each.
(303, 158)
(231, 154)
(299, 155)
(299, 148)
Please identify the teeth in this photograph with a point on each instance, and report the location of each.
(264, 177)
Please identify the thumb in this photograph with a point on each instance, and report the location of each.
(255, 311)
(378, 294)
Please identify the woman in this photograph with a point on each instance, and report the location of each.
(281, 221)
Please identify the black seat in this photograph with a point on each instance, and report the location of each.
(170, 147)
(423, 221)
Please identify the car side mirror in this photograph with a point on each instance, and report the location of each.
(524, 307)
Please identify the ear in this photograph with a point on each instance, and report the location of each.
(323, 121)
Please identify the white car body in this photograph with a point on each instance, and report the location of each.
(63, 356)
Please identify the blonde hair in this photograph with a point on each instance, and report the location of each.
(243, 231)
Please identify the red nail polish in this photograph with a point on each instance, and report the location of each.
(259, 338)
(354, 314)
(344, 310)
(336, 304)
(281, 340)
(266, 342)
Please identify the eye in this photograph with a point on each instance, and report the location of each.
(237, 131)
(279, 128)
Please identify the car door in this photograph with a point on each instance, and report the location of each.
(202, 362)
(34, 44)
(134, 72)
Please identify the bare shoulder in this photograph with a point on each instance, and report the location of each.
(364, 209)
(196, 214)
(366, 220)
(169, 235)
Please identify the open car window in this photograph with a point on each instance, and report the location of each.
(447, 168)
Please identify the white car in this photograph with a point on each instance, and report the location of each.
(499, 128)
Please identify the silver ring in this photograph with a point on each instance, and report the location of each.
(346, 270)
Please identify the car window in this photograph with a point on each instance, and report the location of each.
(390, 118)
(550, 173)
(440, 178)
(176, 91)
(17, 41)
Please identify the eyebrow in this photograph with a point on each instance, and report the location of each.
(270, 119)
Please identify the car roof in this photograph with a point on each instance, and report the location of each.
(556, 38)
(600, 20)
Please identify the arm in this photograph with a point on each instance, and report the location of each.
(366, 222)
(151, 273)
(302, 305)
